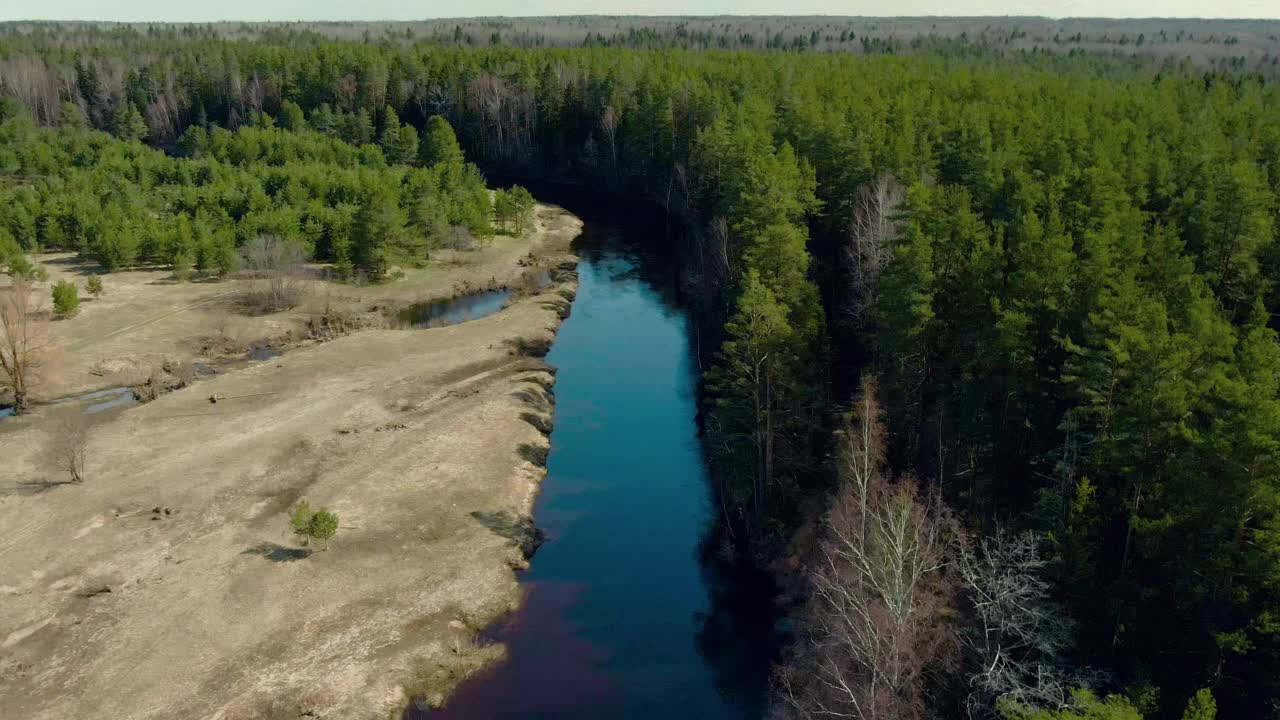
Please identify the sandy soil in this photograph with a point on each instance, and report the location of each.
(428, 444)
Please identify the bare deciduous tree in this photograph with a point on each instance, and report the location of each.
(163, 112)
(432, 99)
(254, 93)
(609, 121)
(25, 346)
(30, 79)
(1016, 635)
(345, 91)
(274, 273)
(874, 624)
(68, 445)
(873, 228)
(485, 96)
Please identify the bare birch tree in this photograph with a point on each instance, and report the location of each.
(609, 125)
(30, 79)
(25, 345)
(874, 226)
(1016, 635)
(254, 93)
(275, 274)
(874, 625)
(485, 96)
(68, 445)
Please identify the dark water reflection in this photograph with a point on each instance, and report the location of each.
(629, 611)
(94, 402)
(453, 310)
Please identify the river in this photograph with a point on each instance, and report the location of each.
(629, 610)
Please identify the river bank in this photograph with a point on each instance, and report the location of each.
(428, 444)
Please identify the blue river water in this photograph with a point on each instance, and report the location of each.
(627, 613)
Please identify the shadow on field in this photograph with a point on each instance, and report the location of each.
(278, 553)
(35, 487)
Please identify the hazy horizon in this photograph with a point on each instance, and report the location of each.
(382, 10)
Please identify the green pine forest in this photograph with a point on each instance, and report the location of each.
(1057, 275)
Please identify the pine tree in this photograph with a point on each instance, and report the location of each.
(440, 145)
(379, 236)
(1201, 706)
(750, 385)
(291, 116)
(127, 123)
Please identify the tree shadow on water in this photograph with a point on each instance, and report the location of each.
(278, 553)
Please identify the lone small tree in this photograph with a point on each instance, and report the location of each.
(66, 299)
(504, 211)
(308, 524)
(523, 208)
(276, 274)
(68, 446)
(94, 286)
(300, 520)
(324, 525)
(24, 341)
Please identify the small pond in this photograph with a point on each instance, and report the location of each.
(103, 400)
(472, 306)
(452, 311)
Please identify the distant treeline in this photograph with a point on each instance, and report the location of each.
(1062, 274)
(1218, 44)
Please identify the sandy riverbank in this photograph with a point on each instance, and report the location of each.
(427, 443)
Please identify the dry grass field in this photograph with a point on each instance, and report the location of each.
(167, 585)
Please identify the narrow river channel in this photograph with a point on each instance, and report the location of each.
(628, 612)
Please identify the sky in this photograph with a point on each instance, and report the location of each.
(204, 10)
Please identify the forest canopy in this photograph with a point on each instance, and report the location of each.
(122, 203)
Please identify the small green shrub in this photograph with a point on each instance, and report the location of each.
(308, 524)
(300, 520)
(223, 258)
(324, 525)
(182, 264)
(21, 268)
(1201, 707)
(94, 286)
(66, 299)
